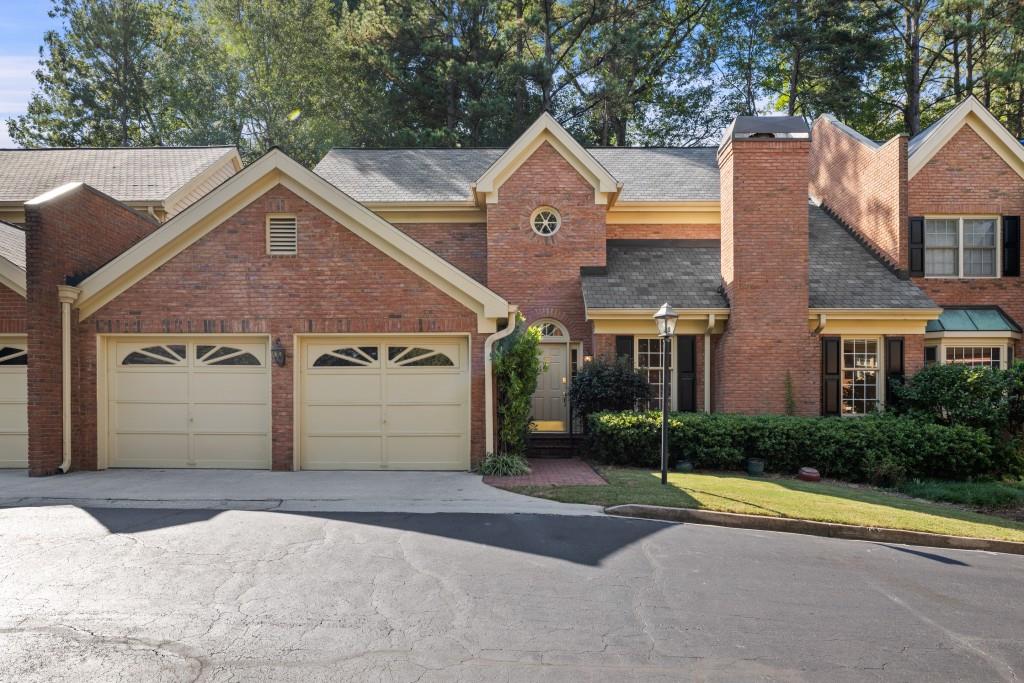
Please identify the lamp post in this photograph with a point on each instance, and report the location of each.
(666, 318)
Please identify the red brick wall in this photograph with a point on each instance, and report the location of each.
(764, 267)
(865, 187)
(966, 177)
(225, 283)
(12, 311)
(542, 274)
(664, 232)
(913, 354)
(463, 245)
(71, 235)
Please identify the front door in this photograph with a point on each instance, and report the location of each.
(550, 403)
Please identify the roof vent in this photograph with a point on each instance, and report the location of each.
(282, 235)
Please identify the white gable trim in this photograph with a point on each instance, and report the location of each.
(547, 129)
(971, 113)
(13, 277)
(272, 169)
(228, 164)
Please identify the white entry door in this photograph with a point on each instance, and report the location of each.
(13, 402)
(398, 403)
(188, 402)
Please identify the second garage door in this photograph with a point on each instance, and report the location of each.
(188, 402)
(385, 403)
(13, 402)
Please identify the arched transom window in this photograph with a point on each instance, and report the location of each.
(552, 331)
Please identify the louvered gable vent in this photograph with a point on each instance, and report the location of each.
(282, 235)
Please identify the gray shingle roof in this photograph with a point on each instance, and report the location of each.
(12, 244)
(140, 174)
(646, 274)
(844, 274)
(424, 175)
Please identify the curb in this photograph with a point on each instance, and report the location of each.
(803, 526)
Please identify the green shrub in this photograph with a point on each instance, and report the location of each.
(601, 385)
(517, 365)
(504, 465)
(882, 449)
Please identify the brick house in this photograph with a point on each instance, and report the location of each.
(344, 317)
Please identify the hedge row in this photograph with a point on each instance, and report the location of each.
(877, 449)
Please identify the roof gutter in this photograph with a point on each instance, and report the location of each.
(67, 296)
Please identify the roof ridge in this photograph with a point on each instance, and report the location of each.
(106, 149)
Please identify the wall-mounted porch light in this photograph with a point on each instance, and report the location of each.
(277, 353)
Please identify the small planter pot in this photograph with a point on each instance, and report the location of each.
(755, 467)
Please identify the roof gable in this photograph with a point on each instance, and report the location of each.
(276, 168)
(12, 257)
(923, 147)
(547, 129)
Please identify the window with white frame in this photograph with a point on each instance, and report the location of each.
(648, 360)
(961, 247)
(861, 376)
(975, 356)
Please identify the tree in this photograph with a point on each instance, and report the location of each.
(95, 78)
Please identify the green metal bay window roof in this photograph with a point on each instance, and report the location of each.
(973, 320)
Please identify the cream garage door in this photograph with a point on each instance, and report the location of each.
(385, 403)
(196, 402)
(13, 402)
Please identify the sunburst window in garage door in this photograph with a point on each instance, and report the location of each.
(199, 402)
(349, 357)
(416, 357)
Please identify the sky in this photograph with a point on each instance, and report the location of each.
(22, 25)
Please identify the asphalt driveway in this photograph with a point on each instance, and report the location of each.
(183, 595)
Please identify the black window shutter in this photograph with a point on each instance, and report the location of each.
(831, 380)
(893, 365)
(687, 373)
(624, 347)
(1011, 246)
(931, 355)
(917, 246)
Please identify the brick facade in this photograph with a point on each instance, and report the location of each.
(864, 186)
(764, 268)
(226, 284)
(464, 245)
(542, 274)
(966, 177)
(69, 236)
(664, 232)
(13, 311)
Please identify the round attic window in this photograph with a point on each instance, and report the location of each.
(545, 221)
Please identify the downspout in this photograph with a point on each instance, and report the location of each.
(707, 362)
(489, 380)
(67, 296)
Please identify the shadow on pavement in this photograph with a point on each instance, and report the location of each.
(920, 553)
(581, 540)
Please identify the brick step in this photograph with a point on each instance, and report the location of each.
(551, 446)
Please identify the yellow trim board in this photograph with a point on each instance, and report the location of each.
(13, 277)
(429, 212)
(641, 320)
(665, 213)
(884, 321)
(274, 168)
(547, 129)
(972, 113)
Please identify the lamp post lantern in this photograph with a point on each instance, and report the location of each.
(666, 318)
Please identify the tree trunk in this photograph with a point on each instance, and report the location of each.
(912, 112)
(547, 82)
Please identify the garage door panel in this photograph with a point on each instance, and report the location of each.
(426, 452)
(14, 387)
(336, 420)
(229, 418)
(227, 387)
(166, 387)
(340, 453)
(232, 451)
(151, 450)
(441, 387)
(335, 387)
(426, 419)
(151, 417)
(14, 449)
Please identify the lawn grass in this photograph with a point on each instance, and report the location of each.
(782, 497)
(984, 494)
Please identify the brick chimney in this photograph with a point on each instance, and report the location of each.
(767, 361)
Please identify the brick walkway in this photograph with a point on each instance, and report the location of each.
(552, 472)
